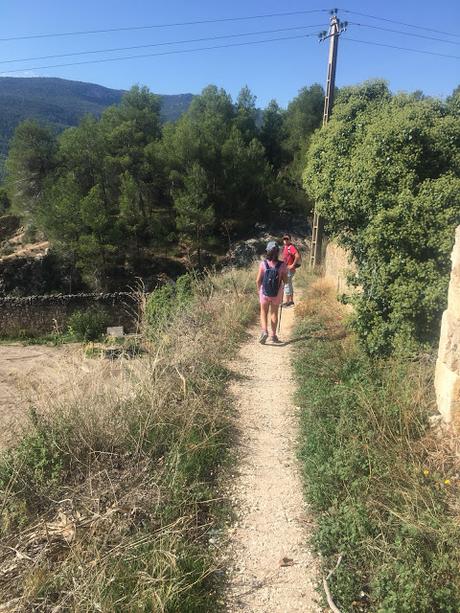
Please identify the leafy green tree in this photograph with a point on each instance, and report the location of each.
(247, 181)
(129, 127)
(246, 114)
(195, 212)
(31, 160)
(238, 176)
(60, 214)
(133, 216)
(107, 200)
(385, 174)
(303, 116)
(98, 247)
(453, 101)
(273, 134)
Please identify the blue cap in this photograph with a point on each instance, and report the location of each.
(272, 245)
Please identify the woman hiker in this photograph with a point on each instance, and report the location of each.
(271, 277)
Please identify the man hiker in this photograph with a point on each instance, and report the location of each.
(291, 258)
(271, 277)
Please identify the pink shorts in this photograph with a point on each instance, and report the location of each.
(275, 300)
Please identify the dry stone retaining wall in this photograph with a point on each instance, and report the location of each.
(447, 375)
(38, 315)
(337, 266)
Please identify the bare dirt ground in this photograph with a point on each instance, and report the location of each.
(272, 568)
(31, 376)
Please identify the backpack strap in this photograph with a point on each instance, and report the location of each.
(277, 265)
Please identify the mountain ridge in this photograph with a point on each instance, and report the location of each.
(62, 103)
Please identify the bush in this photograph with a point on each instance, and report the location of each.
(167, 300)
(88, 325)
(385, 175)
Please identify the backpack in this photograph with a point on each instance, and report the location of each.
(299, 261)
(271, 281)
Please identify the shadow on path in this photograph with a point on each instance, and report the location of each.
(289, 342)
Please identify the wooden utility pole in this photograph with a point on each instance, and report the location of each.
(335, 29)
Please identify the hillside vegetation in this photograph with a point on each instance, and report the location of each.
(115, 192)
(110, 500)
(382, 484)
(61, 103)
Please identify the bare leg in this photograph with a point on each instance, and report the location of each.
(288, 289)
(263, 316)
(274, 318)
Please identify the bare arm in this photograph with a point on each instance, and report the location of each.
(296, 259)
(284, 274)
(260, 276)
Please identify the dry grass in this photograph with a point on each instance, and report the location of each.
(319, 303)
(106, 505)
(319, 300)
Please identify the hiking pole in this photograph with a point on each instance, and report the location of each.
(279, 319)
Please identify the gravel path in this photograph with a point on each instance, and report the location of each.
(271, 566)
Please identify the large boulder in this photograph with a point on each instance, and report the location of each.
(447, 374)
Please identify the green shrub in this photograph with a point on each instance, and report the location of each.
(385, 175)
(88, 325)
(167, 300)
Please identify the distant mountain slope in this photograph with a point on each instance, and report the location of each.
(63, 103)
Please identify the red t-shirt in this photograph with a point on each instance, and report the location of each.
(289, 252)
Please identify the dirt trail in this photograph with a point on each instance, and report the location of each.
(272, 569)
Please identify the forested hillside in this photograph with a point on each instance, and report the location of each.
(62, 103)
(115, 192)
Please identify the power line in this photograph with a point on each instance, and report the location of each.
(402, 23)
(437, 39)
(174, 42)
(164, 25)
(368, 42)
(177, 51)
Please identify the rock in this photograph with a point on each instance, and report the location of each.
(115, 331)
(447, 374)
(286, 562)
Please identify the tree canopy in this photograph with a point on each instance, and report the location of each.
(113, 190)
(385, 174)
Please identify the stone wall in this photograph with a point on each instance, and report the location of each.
(337, 266)
(38, 315)
(447, 375)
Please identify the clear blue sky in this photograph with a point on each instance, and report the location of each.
(273, 70)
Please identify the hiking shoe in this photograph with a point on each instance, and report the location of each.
(263, 337)
(285, 305)
(275, 340)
